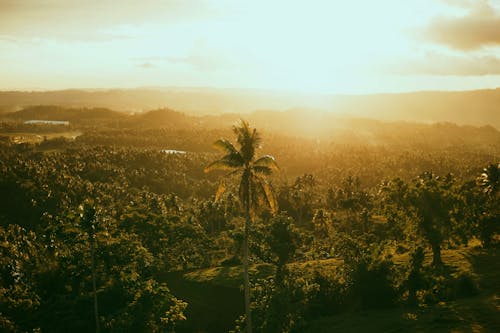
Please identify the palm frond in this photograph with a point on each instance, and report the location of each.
(232, 172)
(266, 161)
(225, 146)
(263, 170)
(257, 139)
(267, 194)
(242, 130)
(220, 190)
(228, 162)
(248, 140)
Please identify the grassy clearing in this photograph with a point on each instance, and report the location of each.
(216, 293)
(458, 261)
(231, 277)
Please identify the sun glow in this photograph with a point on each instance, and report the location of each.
(354, 46)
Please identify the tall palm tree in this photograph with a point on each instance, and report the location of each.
(254, 189)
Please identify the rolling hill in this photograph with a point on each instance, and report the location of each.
(479, 107)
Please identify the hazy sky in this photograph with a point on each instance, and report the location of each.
(330, 46)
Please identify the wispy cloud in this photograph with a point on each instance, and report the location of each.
(480, 27)
(201, 57)
(10, 39)
(459, 3)
(92, 19)
(146, 65)
(196, 61)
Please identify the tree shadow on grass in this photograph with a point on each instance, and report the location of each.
(211, 308)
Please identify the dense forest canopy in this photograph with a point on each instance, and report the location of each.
(112, 220)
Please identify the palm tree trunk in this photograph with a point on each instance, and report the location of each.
(436, 255)
(246, 278)
(94, 289)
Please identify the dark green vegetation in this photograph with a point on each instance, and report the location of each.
(389, 227)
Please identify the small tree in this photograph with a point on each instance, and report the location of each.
(283, 241)
(414, 281)
(432, 202)
(303, 197)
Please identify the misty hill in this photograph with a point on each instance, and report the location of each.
(102, 117)
(73, 115)
(479, 107)
(318, 125)
(161, 118)
(192, 100)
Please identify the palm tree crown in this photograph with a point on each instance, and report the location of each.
(254, 188)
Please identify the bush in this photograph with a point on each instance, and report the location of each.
(465, 286)
(369, 285)
(230, 262)
(282, 307)
(306, 295)
(446, 287)
(330, 294)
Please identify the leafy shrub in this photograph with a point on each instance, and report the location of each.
(442, 286)
(369, 285)
(330, 293)
(229, 262)
(465, 286)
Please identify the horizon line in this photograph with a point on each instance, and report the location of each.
(241, 90)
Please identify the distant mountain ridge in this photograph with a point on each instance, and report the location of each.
(477, 107)
(294, 123)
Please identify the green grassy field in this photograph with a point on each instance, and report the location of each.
(215, 299)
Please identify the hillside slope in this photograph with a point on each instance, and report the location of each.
(478, 107)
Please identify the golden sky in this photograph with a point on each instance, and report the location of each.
(325, 46)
